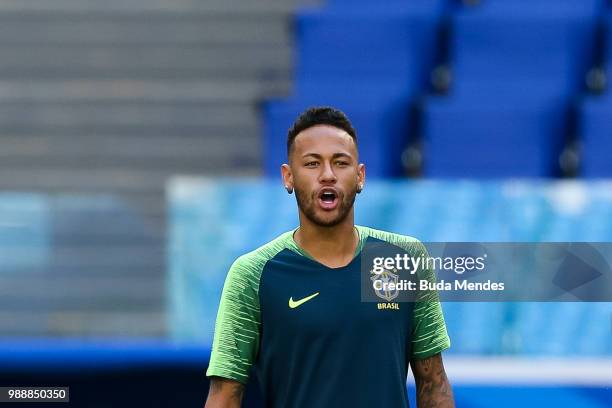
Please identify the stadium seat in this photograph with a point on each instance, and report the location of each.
(492, 140)
(595, 130)
(496, 46)
(595, 123)
(465, 321)
(583, 331)
(366, 45)
(29, 245)
(515, 67)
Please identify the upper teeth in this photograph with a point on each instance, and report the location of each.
(328, 196)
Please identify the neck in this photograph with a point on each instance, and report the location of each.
(332, 246)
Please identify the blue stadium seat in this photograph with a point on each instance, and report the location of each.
(25, 232)
(465, 322)
(365, 45)
(595, 123)
(490, 139)
(497, 46)
(595, 132)
(515, 67)
(563, 328)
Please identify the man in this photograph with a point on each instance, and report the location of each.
(291, 311)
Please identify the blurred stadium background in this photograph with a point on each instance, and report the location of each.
(140, 143)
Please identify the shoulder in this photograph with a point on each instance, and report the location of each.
(252, 262)
(406, 242)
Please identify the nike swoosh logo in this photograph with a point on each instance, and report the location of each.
(295, 303)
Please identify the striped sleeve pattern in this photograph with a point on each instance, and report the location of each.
(238, 324)
(429, 335)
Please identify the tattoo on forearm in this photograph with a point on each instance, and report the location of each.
(433, 387)
(237, 391)
(218, 385)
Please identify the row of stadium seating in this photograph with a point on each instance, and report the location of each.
(79, 265)
(207, 235)
(516, 96)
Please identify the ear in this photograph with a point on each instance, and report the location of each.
(360, 177)
(287, 176)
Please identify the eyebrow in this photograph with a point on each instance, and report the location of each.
(334, 156)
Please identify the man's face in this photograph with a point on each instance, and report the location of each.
(325, 174)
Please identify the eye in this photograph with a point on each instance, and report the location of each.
(311, 164)
(342, 163)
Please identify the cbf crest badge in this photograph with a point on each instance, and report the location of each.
(385, 277)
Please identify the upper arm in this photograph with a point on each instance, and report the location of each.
(429, 335)
(429, 339)
(237, 328)
(224, 393)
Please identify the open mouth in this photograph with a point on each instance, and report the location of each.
(328, 199)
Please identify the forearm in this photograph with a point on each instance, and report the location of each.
(224, 394)
(432, 385)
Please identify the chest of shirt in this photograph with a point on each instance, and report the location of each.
(299, 296)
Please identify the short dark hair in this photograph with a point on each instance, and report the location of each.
(320, 115)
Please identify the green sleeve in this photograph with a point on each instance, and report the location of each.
(429, 336)
(237, 329)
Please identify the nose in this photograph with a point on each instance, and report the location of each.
(327, 174)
